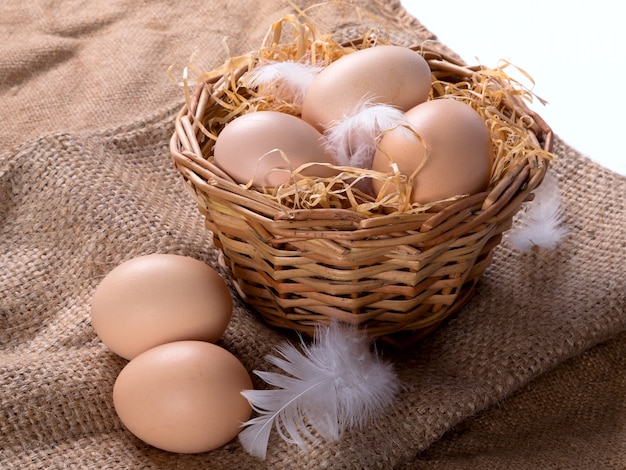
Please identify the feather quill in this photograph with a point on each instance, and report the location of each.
(336, 383)
(542, 223)
(352, 139)
(287, 80)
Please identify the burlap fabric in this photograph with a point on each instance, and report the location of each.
(530, 375)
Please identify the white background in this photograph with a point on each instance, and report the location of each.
(574, 50)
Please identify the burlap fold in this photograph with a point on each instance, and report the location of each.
(520, 378)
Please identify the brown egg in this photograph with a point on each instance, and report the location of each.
(457, 146)
(159, 298)
(250, 146)
(392, 75)
(183, 397)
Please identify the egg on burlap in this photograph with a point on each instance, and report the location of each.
(183, 396)
(158, 298)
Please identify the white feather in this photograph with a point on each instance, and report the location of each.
(542, 223)
(336, 383)
(352, 139)
(285, 80)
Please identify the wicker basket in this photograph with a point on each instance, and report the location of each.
(398, 275)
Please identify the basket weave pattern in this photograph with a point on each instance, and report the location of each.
(398, 275)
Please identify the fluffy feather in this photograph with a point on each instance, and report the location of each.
(542, 223)
(288, 80)
(332, 385)
(353, 139)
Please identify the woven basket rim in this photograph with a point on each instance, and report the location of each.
(446, 65)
